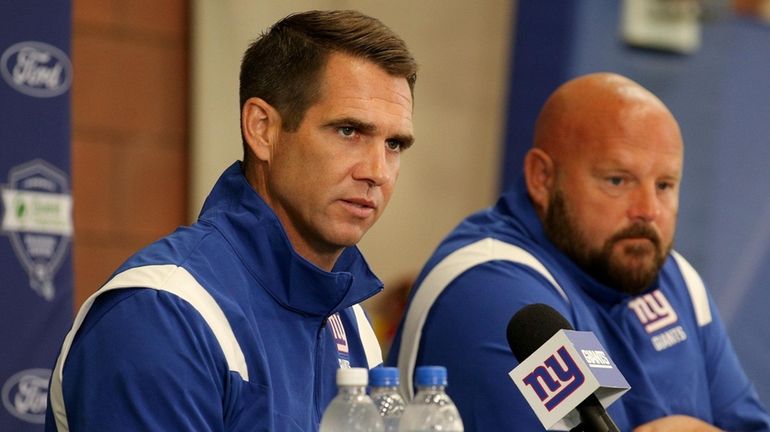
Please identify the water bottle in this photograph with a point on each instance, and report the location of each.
(351, 410)
(383, 382)
(431, 409)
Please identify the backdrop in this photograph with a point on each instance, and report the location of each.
(720, 96)
(35, 263)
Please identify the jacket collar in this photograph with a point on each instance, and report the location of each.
(251, 227)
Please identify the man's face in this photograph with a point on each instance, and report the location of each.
(331, 179)
(614, 205)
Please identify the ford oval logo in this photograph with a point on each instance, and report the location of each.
(25, 395)
(36, 69)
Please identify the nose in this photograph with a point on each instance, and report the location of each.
(374, 167)
(645, 204)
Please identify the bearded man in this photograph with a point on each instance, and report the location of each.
(588, 230)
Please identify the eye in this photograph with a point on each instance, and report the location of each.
(347, 131)
(615, 180)
(665, 186)
(394, 145)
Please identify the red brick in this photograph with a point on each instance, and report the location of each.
(92, 185)
(129, 150)
(121, 85)
(154, 193)
(95, 12)
(167, 18)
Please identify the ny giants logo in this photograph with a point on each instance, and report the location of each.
(654, 311)
(340, 339)
(338, 330)
(554, 386)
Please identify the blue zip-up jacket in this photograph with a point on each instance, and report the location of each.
(220, 326)
(668, 342)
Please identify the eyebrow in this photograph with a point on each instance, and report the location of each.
(604, 170)
(369, 129)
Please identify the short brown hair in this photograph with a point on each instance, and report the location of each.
(284, 64)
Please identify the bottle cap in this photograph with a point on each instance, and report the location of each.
(430, 376)
(383, 377)
(352, 377)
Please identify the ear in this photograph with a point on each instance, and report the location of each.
(261, 124)
(539, 174)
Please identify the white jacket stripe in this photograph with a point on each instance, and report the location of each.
(439, 278)
(368, 338)
(169, 278)
(698, 295)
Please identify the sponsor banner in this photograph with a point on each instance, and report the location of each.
(35, 204)
(37, 217)
(36, 69)
(25, 393)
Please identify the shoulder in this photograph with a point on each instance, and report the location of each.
(142, 323)
(168, 296)
(137, 351)
(177, 247)
(490, 264)
(682, 275)
(482, 282)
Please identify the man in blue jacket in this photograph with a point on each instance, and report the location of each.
(588, 230)
(240, 321)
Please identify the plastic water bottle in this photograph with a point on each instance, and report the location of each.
(383, 385)
(431, 409)
(352, 410)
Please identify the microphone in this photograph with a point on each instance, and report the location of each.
(529, 330)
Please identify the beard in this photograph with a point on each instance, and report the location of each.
(631, 270)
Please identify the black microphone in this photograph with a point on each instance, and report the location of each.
(527, 331)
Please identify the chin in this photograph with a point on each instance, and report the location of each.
(636, 265)
(346, 239)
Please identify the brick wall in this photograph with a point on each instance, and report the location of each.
(130, 141)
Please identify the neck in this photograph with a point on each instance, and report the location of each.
(323, 260)
(323, 257)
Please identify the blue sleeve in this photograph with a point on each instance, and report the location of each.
(466, 332)
(144, 360)
(734, 400)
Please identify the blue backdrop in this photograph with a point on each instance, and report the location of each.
(721, 97)
(35, 210)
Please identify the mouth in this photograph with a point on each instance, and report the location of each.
(637, 242)
(638, 236)
(637, 239)
(359, 207)
(637, 246)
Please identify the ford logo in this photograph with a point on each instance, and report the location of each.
(25, 395)
(36, 69)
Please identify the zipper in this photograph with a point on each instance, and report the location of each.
(318, 375)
